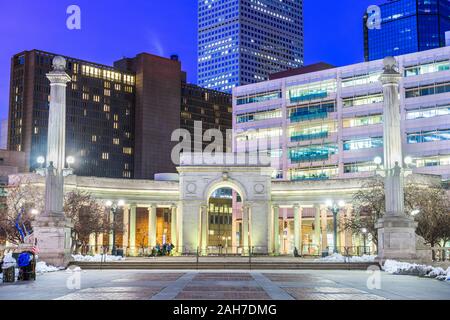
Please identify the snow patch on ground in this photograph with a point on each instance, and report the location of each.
(96, 258)
(336, 257)
(42, 267)
(405, 268)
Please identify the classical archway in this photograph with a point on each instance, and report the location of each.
(198, 184)
(225, 208)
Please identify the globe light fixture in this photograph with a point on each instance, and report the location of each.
(34, 212)
(108, 203)
(40, 160)
(408, 161)
(341, 203)
(70, 160)
(415, 212)
(378, 161)
(121, 203)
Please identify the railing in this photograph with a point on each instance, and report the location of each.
(316, 250)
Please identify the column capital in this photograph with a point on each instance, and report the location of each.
(276, 206)
(173, 206)
(152, 206)
(296, 206)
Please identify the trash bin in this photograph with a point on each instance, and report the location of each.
(9, 275)
(27, 266)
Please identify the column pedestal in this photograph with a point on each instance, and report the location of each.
(53, 234)
(396, 238)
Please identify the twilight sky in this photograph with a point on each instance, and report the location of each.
(112, 29)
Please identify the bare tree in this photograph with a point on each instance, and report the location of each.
(23, 200)
(369, 206)
(431, 201)
(88, 217)
(433, 213)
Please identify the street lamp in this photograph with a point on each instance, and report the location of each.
(34, 212)
(40, 160)
(415, 212)
(70, 161)
(334, 207)
(114, 207)
(364, 232)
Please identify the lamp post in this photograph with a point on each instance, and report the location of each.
(335, 207)
(364, 233)
(114, 207)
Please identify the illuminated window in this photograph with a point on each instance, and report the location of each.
(116, 141)
(85, 96)
(106, 108)
(107, 92)
(128, 150)
(117, 87)
(94, 138)
(105, 155)
(96, 98)
(116, 125)
(362, 121)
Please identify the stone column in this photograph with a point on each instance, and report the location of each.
(133, 230)
(317, 226)
(174, 226)
(51, 229)
(396, 231)
(298, 228)
(110, 239)
(152, 226)
(324, 225)
(245, 228)
(92, 243)
(99, 248)
(204, 229)
(126, 222)
(348, 233)
(276, 229)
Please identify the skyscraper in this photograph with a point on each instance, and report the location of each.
(407, 26)
(243, 41)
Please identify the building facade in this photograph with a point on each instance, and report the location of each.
(407, 26)
(119, 119)
(243, 41)
(328, 124)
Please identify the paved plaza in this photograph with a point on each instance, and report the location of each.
(223, 285)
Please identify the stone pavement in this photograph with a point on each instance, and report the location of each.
(223, 285)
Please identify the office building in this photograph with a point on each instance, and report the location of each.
(329, 123)
(119, 119)
(243, 41)
(406, 26)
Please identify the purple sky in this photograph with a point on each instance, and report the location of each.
(113, 29)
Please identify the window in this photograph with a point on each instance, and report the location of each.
(127, 150)
(427, 68)
(311, 111)
(105, 156)
(258, 115)
(365, 143)
(312, 153)
(429, 112)
(313, 173)
(362, 121)
(420, 91)
(428, 136)
(259, 97)
(362, 100)
(311, 91)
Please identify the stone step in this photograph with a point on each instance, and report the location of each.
(221, 265)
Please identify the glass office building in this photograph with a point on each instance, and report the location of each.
(243, 41)
(407, 26)
(329, 124)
